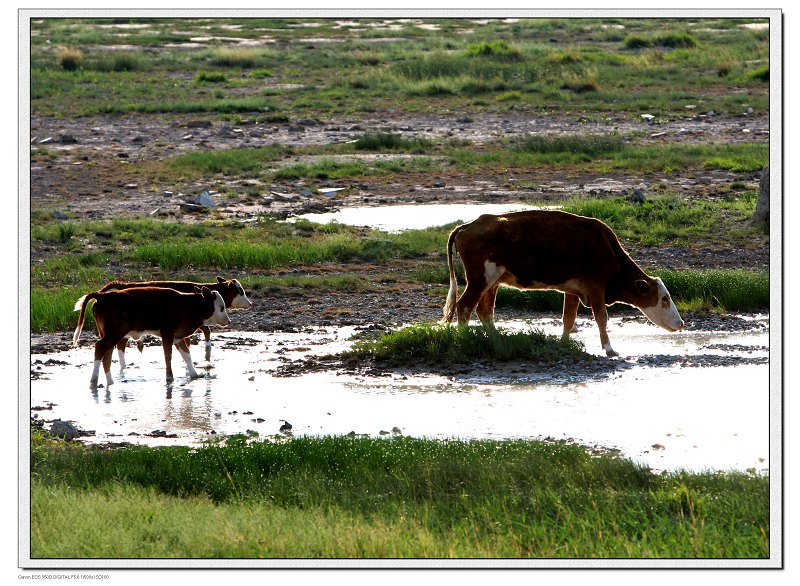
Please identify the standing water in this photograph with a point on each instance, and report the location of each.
(679, 413)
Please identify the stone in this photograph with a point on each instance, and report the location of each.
(64, 430)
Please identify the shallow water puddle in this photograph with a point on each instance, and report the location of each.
(660, 412)
(396, 218)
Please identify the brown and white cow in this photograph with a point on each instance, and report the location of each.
(548, 249)
(134, 312)
(231, 290)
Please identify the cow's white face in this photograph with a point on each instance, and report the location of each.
(220, 316)
(240, 301)
(664, 313)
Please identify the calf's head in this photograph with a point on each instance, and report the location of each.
(235, 292)
(219, 317)
(656, 303)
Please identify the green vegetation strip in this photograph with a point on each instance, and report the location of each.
(580, 65)
(344, 497)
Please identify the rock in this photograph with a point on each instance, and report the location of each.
(198, 124)
(64, 430)
(204, 199)
(637, 196)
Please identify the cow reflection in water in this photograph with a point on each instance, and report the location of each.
(548, 249)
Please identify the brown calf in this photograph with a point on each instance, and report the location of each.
(137, 311)
(231, 290)
(543, 249)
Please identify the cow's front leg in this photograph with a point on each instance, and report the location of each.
(601, 317)
(183, 348)
(570, 314)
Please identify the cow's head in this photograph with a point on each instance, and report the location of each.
(237, 295)
(656, 303)
(219, 317)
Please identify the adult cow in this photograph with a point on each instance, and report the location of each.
(546, 249)
(231, 290)
(134, 312)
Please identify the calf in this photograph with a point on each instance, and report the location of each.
(544, 249)
(231, 290)
(137, 311)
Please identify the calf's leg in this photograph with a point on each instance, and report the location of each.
(102, 355)
(207, 333)
(121, 345)
(183, 348)
(166, 342)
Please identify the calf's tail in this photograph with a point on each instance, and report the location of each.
(81, 306)
(452, 294)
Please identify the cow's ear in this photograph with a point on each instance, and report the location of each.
(206, 292)
(220, 279)
(642, 286)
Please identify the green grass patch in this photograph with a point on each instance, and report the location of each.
(343, 497)
(662, 218)
(445, 344)
(674, 40)
(737, 290)
(228, 162)
(385, 141)
(593, 145)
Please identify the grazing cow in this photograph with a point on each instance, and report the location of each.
(231, 290)
(137, 311)
(546, 249)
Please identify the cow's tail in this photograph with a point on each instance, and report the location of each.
(81, 306)
(452, 294)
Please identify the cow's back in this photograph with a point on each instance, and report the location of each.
(546, 246)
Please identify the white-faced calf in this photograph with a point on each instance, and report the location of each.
(134, 312)
(231, 290)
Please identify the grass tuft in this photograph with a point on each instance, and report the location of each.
(458, 344)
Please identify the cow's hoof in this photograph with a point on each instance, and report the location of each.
(611, 353)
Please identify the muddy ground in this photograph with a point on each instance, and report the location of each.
(96, 168)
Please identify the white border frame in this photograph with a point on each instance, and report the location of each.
(775, 560)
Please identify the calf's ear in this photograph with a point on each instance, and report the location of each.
(642, 286)
(206, 293)
(220, 279)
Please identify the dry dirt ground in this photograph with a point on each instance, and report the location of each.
(90, 168)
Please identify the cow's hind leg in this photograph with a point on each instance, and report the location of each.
(183, 348)
(570, 314)
(467, 302)
(478, 284)
(485, 307)
(102, 355)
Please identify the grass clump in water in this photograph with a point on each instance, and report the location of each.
(447, 344)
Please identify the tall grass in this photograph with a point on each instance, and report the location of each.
(737, 290)
(343, 497)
